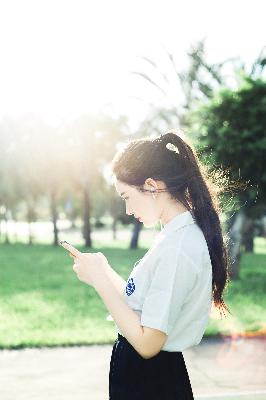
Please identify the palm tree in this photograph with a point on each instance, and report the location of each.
(197, 83)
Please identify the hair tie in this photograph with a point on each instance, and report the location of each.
(163, 140)
(172, 147)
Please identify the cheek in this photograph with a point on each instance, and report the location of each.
(142, 204)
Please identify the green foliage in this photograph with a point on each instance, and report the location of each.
(231, 127)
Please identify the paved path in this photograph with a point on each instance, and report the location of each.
(216, 367)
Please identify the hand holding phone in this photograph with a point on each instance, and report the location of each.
(89, 267)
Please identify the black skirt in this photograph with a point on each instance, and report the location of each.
(162, 377)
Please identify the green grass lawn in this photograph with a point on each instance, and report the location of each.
(42, 303)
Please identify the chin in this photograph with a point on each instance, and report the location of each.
(147, 225)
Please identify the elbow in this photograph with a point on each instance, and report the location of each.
(152, 343)
(148, 356)
(144, 354)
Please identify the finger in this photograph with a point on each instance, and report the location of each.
(74, 268)
(71, 255)
(75, 252)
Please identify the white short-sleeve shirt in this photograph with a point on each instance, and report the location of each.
(170, 288)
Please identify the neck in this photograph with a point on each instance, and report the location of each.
(170, 214)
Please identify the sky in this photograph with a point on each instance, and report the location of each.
(60, 59)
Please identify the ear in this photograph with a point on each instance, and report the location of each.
(154, 184)
(151, 183)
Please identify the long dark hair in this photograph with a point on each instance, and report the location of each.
(171, 159)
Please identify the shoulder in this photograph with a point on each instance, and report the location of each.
(190, 241)
(189, 248)
(171, 257)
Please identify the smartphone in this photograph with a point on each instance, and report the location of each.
(61, 242)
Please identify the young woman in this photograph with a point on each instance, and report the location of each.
(172, 287)
(164, 306)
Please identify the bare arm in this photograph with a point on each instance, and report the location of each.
(110, 286)
(146, 341)
(125, 318)
(118, 282)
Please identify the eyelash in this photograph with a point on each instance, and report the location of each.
(126, 198)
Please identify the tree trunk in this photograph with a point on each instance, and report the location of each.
(236, 235)
(30, 237)
(73, 223)
(248, 236)
(54, 217)
(7, 241)
(29, 216)
(135, 235)
(86, 219)
(114, 225)
(15, 230)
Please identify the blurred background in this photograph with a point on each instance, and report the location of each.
(78, 81)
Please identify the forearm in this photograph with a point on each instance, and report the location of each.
(116, 279)
(125, 318)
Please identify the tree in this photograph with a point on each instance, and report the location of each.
(231, 127)
(198, 82)
(90, 142)
(199, 85)
(10, 183)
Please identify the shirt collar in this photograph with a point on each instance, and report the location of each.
(177, 222)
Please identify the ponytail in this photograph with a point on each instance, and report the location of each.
(203, 203)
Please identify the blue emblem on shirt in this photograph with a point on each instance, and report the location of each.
(130, 286)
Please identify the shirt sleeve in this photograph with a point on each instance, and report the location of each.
(173, 277)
